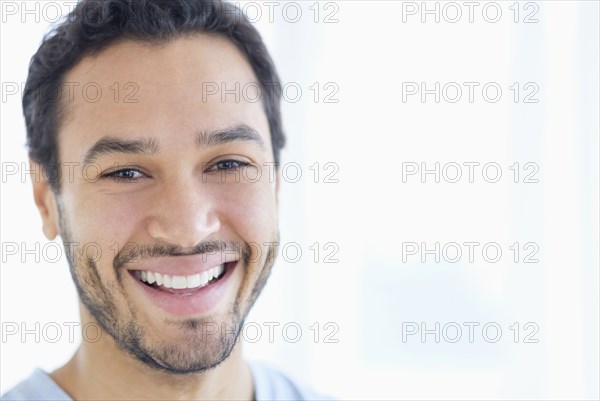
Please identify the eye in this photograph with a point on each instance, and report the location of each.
(229, 164)
(124, 175)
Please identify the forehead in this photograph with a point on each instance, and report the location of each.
(170, 91)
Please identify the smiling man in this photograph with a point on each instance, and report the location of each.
(184, 246)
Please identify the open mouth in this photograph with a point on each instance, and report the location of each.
(182, 285)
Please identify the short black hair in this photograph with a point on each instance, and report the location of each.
(93, 25)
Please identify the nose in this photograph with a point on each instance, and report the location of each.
(182, 214)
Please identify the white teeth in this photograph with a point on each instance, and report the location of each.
(180, 282)
(194, 281)
(204, 278)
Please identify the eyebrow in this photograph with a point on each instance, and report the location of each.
(108, 145)
(220, 137)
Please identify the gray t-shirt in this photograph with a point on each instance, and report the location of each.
(269, 384)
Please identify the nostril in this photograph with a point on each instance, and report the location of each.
(184, 231)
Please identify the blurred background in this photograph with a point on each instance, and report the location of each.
(442, 239)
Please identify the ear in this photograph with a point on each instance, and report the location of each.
(45, 201)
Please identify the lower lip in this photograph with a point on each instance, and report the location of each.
(198, 302)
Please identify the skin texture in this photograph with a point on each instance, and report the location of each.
(179, 198)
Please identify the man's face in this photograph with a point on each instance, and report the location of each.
(168, 186)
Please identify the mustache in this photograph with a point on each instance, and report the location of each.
(135, 252)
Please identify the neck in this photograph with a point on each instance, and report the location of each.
(102, 371)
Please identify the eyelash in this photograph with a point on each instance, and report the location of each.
(114, 175)
(240, 164)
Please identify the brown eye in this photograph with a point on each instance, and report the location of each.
(126, 174)
(228, 165)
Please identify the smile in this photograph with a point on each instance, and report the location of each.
(185, 295)
(166, 281)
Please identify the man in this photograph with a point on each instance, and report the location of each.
(149, 172)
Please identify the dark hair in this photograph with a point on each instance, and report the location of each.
(93, 25)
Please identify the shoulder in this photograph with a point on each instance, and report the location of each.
(271, 384)
(39, 386)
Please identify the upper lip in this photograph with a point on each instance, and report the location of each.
(183, 265)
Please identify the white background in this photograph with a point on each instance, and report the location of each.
(375, 292)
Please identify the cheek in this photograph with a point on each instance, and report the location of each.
(106, 221)
(250, 211)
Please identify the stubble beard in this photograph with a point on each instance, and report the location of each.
(207, 341)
